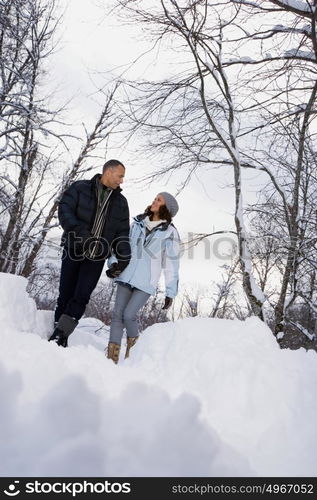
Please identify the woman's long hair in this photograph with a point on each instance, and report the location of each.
(164, 213)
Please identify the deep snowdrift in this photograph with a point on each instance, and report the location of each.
(198, 397)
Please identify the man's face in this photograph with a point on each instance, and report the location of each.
(113, 177)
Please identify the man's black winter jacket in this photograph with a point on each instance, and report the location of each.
(76, 213)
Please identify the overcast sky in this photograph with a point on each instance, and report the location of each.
(93, 41)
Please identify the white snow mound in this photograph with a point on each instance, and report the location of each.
(197, 397)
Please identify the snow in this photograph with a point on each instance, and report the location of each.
(242, 60)
(306, 29)
(296, 4)
(197, 397)
(300, 54)
(246, 59)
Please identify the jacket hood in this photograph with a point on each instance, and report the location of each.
(163, 227)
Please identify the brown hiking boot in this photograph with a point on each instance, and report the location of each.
(130, 343)
(113, 352)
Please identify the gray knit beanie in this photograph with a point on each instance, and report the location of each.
(171, 203)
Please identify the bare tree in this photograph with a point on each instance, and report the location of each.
(286, 57)
(284, 251)
(33, 137)
(227, 108)
(206, 118)
(225, 298)
(99, 135)
(25, 41)
(101, 302)
(152, 312)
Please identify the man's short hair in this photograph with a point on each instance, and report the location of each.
(112, 164)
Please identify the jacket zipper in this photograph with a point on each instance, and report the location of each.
(92, 253)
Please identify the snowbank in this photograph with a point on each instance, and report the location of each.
(198, 397)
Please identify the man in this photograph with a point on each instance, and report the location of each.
(95, 218)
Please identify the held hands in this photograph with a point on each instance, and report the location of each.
(114, 270)
(167, 303)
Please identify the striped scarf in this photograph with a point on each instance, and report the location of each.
(103, 196)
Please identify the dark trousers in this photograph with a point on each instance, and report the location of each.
(77, 281)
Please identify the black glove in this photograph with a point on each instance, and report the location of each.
(167, 303)
(114, 270)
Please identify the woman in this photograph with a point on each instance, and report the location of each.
(154, 247)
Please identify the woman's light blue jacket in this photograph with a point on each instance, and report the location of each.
(150, 255)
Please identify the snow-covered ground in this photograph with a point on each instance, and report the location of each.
(198, 397)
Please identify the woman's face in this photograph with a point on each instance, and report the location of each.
(158, 202)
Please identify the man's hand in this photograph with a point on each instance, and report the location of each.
(167, 303)
(114, 271)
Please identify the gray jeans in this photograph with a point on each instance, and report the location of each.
(128, 303)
